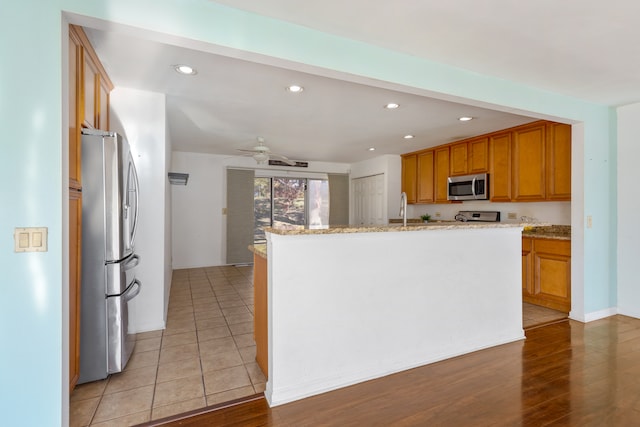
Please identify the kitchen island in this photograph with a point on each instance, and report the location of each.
(349, 304)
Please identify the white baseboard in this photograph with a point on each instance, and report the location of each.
(595, 315)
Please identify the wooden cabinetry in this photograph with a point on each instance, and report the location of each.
(528, 167)
(547, 279)
(425, 177)
(89, 89)
(409, 176)
(558, 161)
(500, 167)
(478, 161)
(458, 159)
(527, 268)
(260, 320)
(525, 164)
(469, 157)
(441, 173)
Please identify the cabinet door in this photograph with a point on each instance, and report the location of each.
(425, 177)
(552, 273)
(409, 176)
(260, 318)
(500, 167)
(75, 251)
(103, 102)
(528, 154)
(458, 159)
(558, 165)
(441, 173)
(91, 81)
(75, 76)
(527, 269)
(478, 156)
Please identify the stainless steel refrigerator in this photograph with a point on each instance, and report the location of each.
(109, 223)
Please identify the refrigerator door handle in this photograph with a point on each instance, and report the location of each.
(132, 262)
(132, 293)
(133, 174)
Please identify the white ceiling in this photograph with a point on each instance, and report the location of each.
(581, 48)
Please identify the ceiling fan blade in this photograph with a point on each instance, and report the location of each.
(283, 159)
(246, 151)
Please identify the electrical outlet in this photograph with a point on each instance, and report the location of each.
(512, 215)
(224, 211)
(438, 214)
(589, 221)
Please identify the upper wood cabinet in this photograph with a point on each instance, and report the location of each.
(478, 161)
(441, 174)
(526, 163)
(528, 167)
(500, 167)
(458, 159)
(469, 157)
(75, 52)
(425, 191)
(409, 176)
(558, 161)
(93, 93)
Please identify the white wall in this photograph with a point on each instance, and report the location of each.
(389, 165)
(628, 208)
(140, 116)
(168, 241)
(199, 226)
(558, 213)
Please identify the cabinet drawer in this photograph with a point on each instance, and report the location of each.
(553, 246)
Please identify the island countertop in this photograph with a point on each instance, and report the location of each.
(346, 229)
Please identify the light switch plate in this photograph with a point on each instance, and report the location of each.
(30, 239)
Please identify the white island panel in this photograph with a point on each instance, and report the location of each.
(346, 308)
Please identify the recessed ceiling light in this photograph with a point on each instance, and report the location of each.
(372, 148)
(185, 69)
(391, 106)
(408, 136)
(465, 118)
(295, 88)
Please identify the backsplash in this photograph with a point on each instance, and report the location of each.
(558, 213)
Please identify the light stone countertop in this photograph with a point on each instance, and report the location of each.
(431, 226)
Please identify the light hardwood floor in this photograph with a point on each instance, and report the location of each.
(564, 374)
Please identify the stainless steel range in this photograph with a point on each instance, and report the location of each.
(478, 216)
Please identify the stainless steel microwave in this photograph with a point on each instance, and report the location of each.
(468, 187)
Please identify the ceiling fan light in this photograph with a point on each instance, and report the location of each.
(261, 158)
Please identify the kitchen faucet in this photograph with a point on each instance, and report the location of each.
(403, 208)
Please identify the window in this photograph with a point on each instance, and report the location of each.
(289, 202)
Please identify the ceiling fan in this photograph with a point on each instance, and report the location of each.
(261, 154)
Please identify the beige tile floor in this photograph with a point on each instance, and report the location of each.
(206, 355)
(533, 315)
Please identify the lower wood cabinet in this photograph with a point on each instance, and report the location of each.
(546, 273)
(260, 321)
